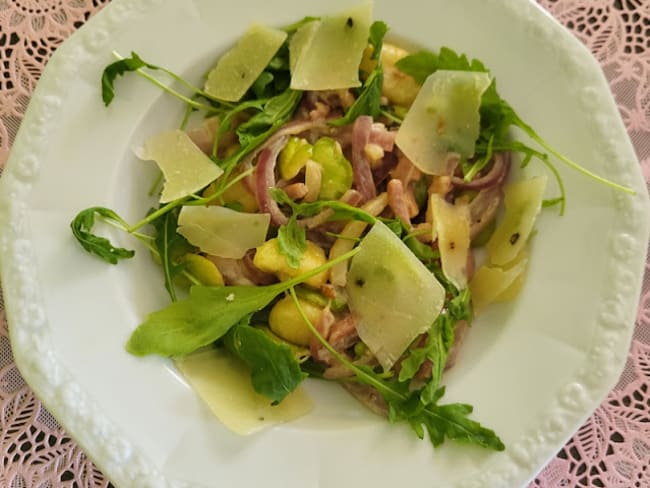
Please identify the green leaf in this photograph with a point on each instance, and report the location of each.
(208, 314)
(101, 247)
(282, 198)
(135, 64)
(342, 211)
(440, 340)
(275, 372)
(395, 225)
(430, 394)
(418, 65)
(118, 68)
(497, 116)
(413, 362)
(369, 100)
(451, 421)
(171, 246)
(459, 307)
(418, 408)
(378, 30)
(292, 242)
(436, 349)
(423, 63)
(204, 317)
(275, 112)
(276, 77)
(280, 62)
(442, 421)
(422, 251)
(421, 192)
(550, 202)
(261, 84)
(225, 122)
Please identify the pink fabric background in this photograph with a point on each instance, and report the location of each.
(612, 449)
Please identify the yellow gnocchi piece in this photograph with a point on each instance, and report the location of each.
(286, 322)
(269, 259)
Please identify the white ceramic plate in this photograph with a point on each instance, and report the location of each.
(534, 370)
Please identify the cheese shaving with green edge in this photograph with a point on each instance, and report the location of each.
(185, 168)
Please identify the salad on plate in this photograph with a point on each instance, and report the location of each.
(342, 210)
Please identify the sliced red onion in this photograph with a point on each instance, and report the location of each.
(495, 176)
(292, 128)
(265, 180)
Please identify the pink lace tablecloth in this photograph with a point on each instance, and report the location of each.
(612, 449)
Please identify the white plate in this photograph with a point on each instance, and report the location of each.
(534, 370)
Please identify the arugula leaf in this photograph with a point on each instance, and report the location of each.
(342, 211)
(274, 112)
(276, 77)
(424, 63)
(275, 372)
(497, 116)
(421, 192)
(292, 241)
(170, 245)
(418, 65)
(442, 421)
(422, 251)
(135, 64)
(416, 358)
(378, 30)
(369, 100)
(550, 202)
(440, 339)
(396, 226)
(439, 342)
(460, 306)
(418, 408)
(119, 68)
(101, 247)
(262, 84)
(225, 122)
(209, 313)
(421, 411)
